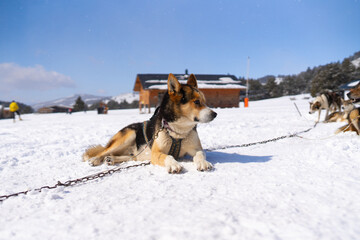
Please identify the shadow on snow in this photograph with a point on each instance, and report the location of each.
(221, 157)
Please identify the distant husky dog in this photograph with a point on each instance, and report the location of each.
(167, 136)
(354, 94)
(342, 116)
(329, 101)
(353, 122)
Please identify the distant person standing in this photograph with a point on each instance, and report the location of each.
(14, 108)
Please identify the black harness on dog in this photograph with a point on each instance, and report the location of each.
(176, 142)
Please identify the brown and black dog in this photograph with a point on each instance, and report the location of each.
(354, 122)
(342, 116)
(168, 135)
(354, 93)
(354, 115)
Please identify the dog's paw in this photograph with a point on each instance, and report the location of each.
(85, 157)
(95, 161)
(171, 165)
(109, 160)
(203, 165)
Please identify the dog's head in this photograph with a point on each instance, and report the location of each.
(314, 106)
(185, 102)
(354, 94)
(347, 105)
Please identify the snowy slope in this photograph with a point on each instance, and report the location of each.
(128, 97)
(70, 101)
(88, 99)
(290, 189)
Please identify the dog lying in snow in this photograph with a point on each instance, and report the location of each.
(167, 136)
(342, 116)
(354, 94)
(353, 122)
(354, 115)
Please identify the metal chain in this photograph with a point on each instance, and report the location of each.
(261, 142)
(75, 181)
(90, 177)
(119, 168)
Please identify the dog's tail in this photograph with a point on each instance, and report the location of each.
(344, 128)
(92, 152)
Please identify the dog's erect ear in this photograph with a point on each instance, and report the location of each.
(173, 84)
(192, 81)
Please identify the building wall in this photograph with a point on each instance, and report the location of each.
(154, 97)
(223, 98)
(45, 110)
(144, 96)
(149, 97)
(5, 113)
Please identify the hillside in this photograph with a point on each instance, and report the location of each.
(312, 80)
(88, 99)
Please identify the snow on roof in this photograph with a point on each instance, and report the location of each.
(203, 86)
(223, 83)
(222, 80)
(353, 84)
(226, 79)
(205, 81)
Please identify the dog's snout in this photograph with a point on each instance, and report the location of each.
(213, 114)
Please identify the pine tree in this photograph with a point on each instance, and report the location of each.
(329, 77)
(290, 85)
(272, 88)
(79, 105)
(113, 104)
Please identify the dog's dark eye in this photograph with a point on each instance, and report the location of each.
(183, 100)
(197, 102)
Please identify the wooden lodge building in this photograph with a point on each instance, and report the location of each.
(54, 109)
(220, 90)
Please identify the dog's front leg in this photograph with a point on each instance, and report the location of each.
(327, 114)
(200, 161)
(193, 148)
(167, 161)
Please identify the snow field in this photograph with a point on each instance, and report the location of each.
(290, 189)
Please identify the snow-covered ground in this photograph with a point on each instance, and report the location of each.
(290, 189)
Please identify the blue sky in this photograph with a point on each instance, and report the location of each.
(53, 49)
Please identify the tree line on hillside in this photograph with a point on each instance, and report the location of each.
(81, 106)
(313, 80)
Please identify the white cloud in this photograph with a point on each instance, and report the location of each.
(13, 76)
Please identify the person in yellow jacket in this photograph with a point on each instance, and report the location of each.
(14, 108)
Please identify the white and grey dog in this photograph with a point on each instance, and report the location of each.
(329, 101)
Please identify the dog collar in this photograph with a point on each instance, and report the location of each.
(165, 125)
(176, 142)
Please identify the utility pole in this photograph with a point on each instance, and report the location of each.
(246, 100)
